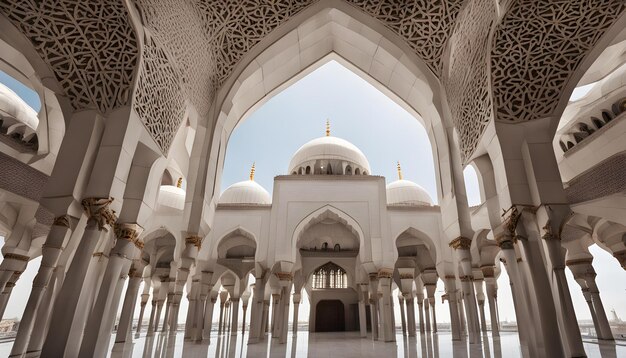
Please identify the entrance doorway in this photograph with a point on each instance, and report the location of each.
(329, 316)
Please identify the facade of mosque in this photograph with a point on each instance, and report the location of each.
(115, 181)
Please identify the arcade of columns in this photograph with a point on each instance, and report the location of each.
(100, 195)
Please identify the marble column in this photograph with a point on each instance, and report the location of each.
(592, 311)
(451, 292)
(223, 297)
(420, 306)
(42, 322)
(462, 249)
(402, 314)
(373, 299)
(296, 306)
(285, 280)
(99, 216)
(427, 314)
(274, 324)
(410, 313)
(384, 280)
(6, 293)
(145, 297)
(51, 252)
(491, 290)
(234, 305)
(208, 316)
(245, 298)
(124, 329)
(256, 314)
(430, 293)
(192, 298)
(157, 317)
(603, 323)
(201, 311)
(98, 329)
(265, 325)
(153, 310)
(480, 297)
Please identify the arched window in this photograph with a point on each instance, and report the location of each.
(357, 171)
(348, 170)
(330, 275)
(308, 170)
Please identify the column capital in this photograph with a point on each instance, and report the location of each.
(99, 210)
(506, 241)
(461, 242)
(488, 271)
(194, 240)
(621, 257)
(129, 232)
(18, 257)
(385, 273)
(63, 220)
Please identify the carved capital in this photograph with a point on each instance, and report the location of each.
(406, 276)
(385, 273)
(488, 271)
(373, 276)
(17, 257)
(194, 240)
(63, 220)
(549, 234)
(461, 243)
(98, 210)
(575, 262)
(506, 241)
(284, 276)
(129, 232)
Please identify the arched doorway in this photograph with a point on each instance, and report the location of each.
(330, 316)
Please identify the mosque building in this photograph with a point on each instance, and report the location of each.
(110, 188)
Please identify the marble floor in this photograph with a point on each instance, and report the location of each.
(336, 344)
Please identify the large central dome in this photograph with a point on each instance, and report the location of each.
(329, 155)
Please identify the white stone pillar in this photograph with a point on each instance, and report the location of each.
(100, 322)
(427, 314)
(274, 325)
(51, 251)
(420, 306)
(410, 313)
(256, 315)
(145, 297)
(234, 306)
(384, 280)
(402, 314)
(286, 281)
(201, 311)
(462, 249)
(99, 215)
(451, 293)
(296, 306)
(265, 325)
(603, 323)
(491, 288)
(157, 317)
(124, 327)
(208, 317)
(153, 318)
(223, 297)
(245, 298)
(373, 288)
(480, 297)
(430, 293)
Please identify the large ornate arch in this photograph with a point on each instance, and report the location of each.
(339, 215)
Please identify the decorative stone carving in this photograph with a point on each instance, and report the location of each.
(158, 99)
(207, 39)
(466, 78)
(98, 210)
(18, 257)
(406, 276)
(90, 46)
(385, 273)
(129, 232)
(461, 242)
(538, 46)
(284, 276)
(63, 220)
(488, 271)
(194, 240)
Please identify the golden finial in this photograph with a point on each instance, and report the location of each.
(252, 172)
(179, 183)
(327, 128)
(399, 171)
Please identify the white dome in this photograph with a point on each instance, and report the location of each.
(245, 192)
(328, 148)
(405, 192)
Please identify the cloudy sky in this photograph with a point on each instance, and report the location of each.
(384, 132)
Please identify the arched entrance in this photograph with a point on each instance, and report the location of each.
(330, 316)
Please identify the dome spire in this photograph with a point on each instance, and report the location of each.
(399, 172)
(252, 170)
(327, 127)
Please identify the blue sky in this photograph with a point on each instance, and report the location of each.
(28, 95)
(358, 112)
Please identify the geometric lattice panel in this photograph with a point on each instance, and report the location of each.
(425, 25)
(537, 47)
(604, 179)
(89, 45)
(158, 99)
(466, 79)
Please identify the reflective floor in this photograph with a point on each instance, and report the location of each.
(337, 344)
(341, 344)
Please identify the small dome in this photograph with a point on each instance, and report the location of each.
(329, 149)
(245, 192)
(405, 192)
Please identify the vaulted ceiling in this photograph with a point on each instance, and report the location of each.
(513, 67)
